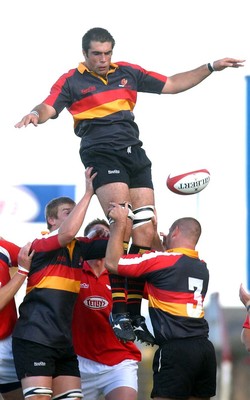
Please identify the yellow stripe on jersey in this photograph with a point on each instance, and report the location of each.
(134, 296)
(118, 294)
(105, 110)
(57, 282)
(180, 310)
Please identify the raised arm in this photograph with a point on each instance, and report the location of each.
(119, 215)
(74, 221)
(38, 115)
(157, 243)
(186, 80)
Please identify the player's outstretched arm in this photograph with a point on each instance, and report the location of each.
(74, 220)
(38, 115)
(186, 80)
(118, 215)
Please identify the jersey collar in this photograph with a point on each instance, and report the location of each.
(187, 252)
(82, 68)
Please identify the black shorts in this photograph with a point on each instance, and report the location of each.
(131, 166)
(184, 368)
(34, 359)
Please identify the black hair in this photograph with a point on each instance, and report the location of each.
(96, 221)
(97, 35)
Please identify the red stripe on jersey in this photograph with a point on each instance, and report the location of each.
(57, 87)
(172, 297)
(113, 100)
(156, 75)
(189, 310)
(56, 277)
(46, 243)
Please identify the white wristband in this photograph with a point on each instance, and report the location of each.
(36, 113)
(23, 269)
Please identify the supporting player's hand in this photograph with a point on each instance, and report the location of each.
(98, 232)
(25, 256)
(118, 212)
(89, 177)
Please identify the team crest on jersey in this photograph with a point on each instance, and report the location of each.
(95, 302)
(123, 83)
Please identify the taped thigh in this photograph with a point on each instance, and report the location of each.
(143, 215)
(70, 394)
(130, 213)
(37, 391)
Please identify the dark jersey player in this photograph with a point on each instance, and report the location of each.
(184, 365)
(101, 96)
(43, 350)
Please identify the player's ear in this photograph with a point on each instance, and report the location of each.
(51, 221)
(175, 231)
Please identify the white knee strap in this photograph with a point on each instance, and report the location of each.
(130, 213)
(142, 215)
(72, 394)
(36, 391)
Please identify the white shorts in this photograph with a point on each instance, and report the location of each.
(100, 379)
(7, 366)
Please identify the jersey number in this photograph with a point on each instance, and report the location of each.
(195, 285)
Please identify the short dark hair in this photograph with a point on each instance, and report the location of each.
(51, 208)
(97, 35)
(189, 227)
(96, 221)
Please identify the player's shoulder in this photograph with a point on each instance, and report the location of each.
(126, 64)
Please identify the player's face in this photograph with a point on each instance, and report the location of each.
(99, 230)
(62, 213)
(98, 58)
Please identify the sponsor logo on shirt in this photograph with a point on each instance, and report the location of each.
(95, 302)
(84, 285)
(88, 90)
(114, 171)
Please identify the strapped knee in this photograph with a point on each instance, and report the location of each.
(70, 394)
(130, 213)
(142, 215)
(37, 391)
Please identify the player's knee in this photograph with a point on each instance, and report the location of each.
(37, 391)
(142, 215)
(73, 394)
(130, 213)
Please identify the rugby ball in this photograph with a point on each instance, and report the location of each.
(189, 182)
